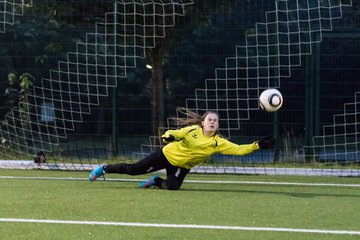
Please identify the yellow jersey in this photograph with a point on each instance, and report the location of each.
(191, 147)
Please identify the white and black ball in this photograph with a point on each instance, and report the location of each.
(271, 100)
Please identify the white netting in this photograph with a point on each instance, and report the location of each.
(272, 49)
(9, 10)
(340, 141)
(105, 57)
(99, 62)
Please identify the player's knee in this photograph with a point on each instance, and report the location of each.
(173, 186)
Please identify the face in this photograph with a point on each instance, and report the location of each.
(210, 124)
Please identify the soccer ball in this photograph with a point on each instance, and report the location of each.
(270, 100)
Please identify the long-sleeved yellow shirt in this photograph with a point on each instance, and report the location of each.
(191, 147)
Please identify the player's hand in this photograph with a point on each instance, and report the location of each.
(167, 138)
(267, 142)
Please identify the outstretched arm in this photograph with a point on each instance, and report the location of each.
(227, 147)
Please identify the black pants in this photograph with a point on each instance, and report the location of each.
(152, 163)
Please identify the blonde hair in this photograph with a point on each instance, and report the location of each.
(191, 118)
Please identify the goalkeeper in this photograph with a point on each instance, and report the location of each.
(186, 148)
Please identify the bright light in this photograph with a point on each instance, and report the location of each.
(148, 66)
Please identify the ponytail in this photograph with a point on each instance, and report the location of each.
(191, 118)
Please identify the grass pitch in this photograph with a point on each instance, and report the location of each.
(68, 196)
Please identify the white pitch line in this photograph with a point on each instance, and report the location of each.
(280, 183)
(191, 226)
(194, 181)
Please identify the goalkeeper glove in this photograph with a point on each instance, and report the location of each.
(167, 138)
(267, 142)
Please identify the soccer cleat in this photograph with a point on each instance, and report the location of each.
(148, 183)
(97, 172)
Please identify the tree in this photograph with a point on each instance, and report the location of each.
(156, 56)
(17, 98)
(197, 15)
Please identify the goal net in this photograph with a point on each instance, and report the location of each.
(272, 49)
(52, 109)
(107, 56)
(9, 10)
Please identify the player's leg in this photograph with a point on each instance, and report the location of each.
(154, 162)
(175, 178)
